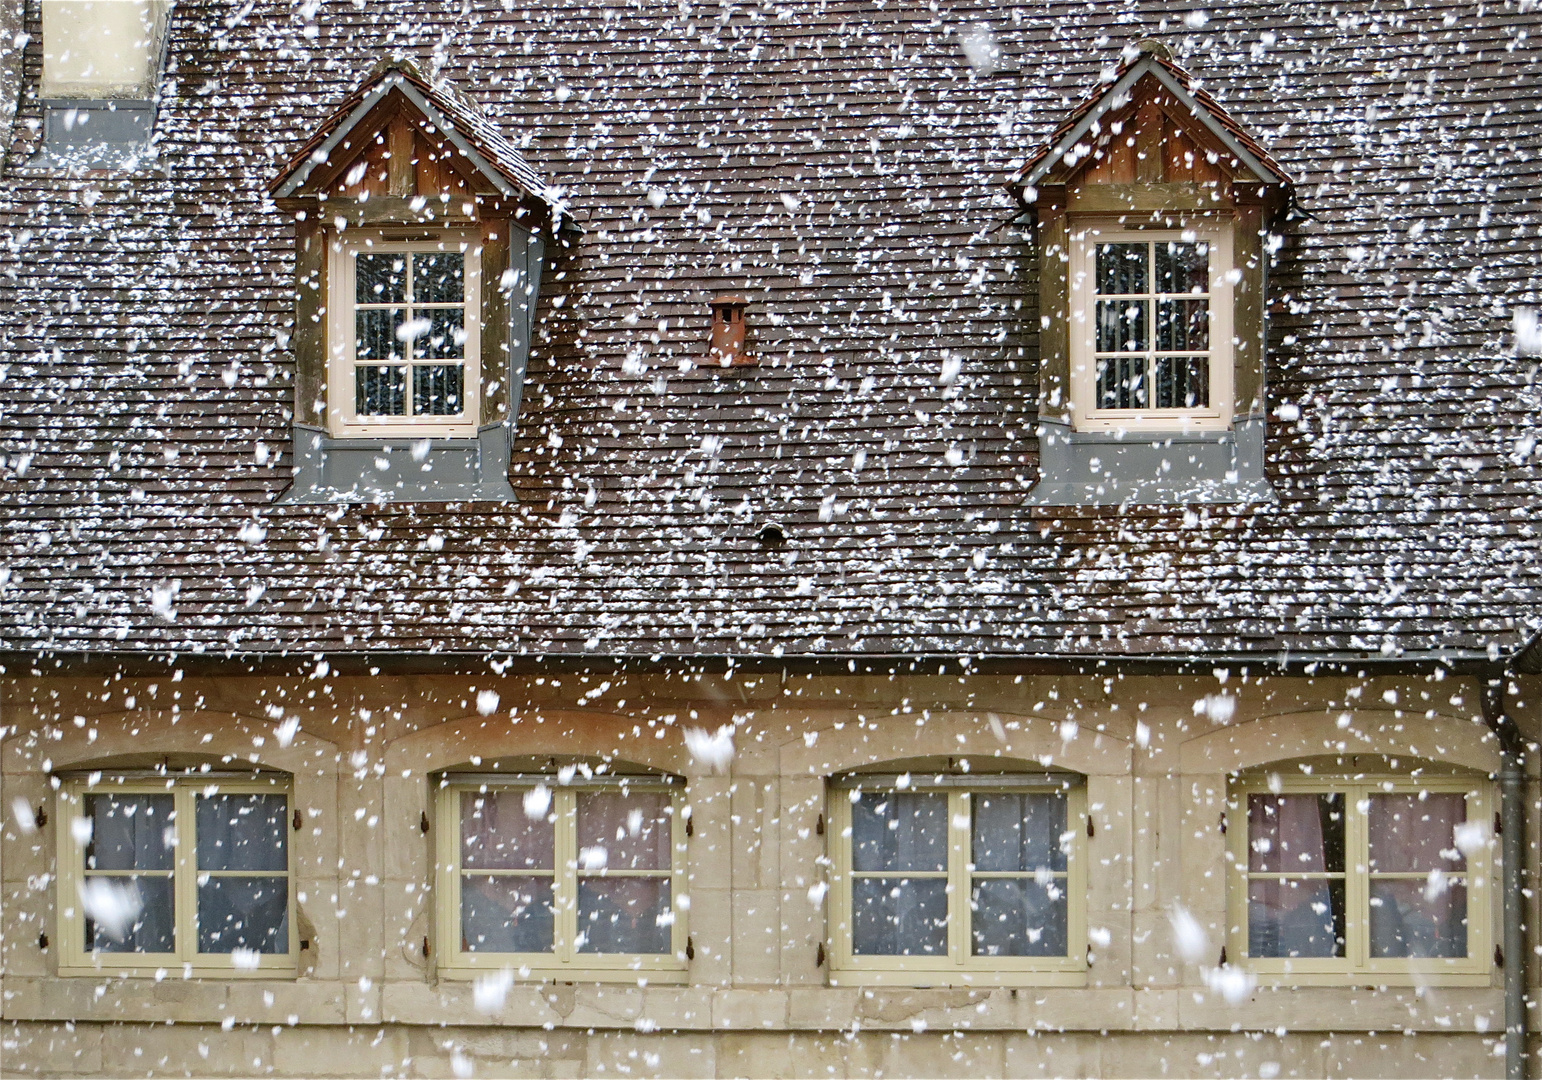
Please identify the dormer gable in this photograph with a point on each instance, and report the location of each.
(409, 143)
(1150, 125)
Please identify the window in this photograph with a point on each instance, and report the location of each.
(1151, 328)
(937, 883)
(563, 880)
(1385, 879)
(405, 338)
(158, 871)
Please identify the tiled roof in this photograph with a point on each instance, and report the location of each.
(842, 166)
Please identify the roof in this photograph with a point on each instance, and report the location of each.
(1149, 58)
(443, 105)
(842, 167)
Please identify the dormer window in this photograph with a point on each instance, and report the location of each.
(1151, 209)
(421, 236)
(1151, 328)
(404, 351)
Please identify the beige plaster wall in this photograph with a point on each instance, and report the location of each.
(757, 1002)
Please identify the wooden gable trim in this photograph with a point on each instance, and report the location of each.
(316, 172)
(1121, 96)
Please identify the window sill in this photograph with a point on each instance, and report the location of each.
(674, 975)
(172, 971)
(331, 469)
(945, 980)
(1107, 468)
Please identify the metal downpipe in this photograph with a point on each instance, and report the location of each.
(1512, 819)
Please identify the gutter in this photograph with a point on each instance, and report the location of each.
(1512, 819)
(23, 663)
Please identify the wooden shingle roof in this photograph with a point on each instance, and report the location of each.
(843, 167)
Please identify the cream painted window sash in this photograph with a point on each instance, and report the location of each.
(958, 966)
(74, 839)
(1088, 413)
(1358, 966)
(345, 308)
(571, 867)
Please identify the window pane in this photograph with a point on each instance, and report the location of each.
(129, 914)
(1019, 917)
(243, 913)
(1122, 382)
(1295, 917)
(444, 336)
(243, 832)
(1182, 268)
(1121, 269)
(1182, 382)
(1410, 834)
(623, 915)
(375, 334)
(1122, 326)
(1418, 919)
(1183, 325)
(130, 832)
(894, 831)
(380, 279)
(381, 391)
(1018, 832)
(505, 914)
(1296, 834)
(899, 917)
(623, 831)
(437, 278)
(496, 832)
(436, 390)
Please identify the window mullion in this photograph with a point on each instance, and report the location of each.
(958, 876)
(565, 876)
(1357, 894)
(185, 891)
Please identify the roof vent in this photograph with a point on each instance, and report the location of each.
(1153, 47)
(728, 333)
(771, 536)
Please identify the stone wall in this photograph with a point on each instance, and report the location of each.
(368, 1001)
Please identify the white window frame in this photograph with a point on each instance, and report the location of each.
(959, 967)
(564, 962)
(76, 959)
(1357, 967)
(1085, 235)
(342, 415)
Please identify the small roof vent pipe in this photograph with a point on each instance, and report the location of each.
(728, 347)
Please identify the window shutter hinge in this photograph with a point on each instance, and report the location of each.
(1091, 829)
(1089, 955)
(42, 815)
(426, 950)
(1499, 824)
(819, 955)
(42, 940)
(1499, 956)
(297, 820)
(305, 944)
(690, 827)
(1222, 962)
(690, 949)
(819, 825)
(1223, 822)
(423, 821)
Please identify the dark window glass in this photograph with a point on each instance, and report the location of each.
(1123, 326)
(243, 832)
(444, 336)
(380, 391)
(438, 278)
(378, 334)
(1122, 382)
(900, 832)
(1183, 325)
(1018, 832)
(1121, 269)
(243, 912)
(896, 916)
(1417, 918)
(1296, 917)
(380, 279)
(131, 832)
(1294, 914)
(506, 914)
(436, 389)
(1182, 268)
(130, 913)
(1182, 382)
(498, 833)
(624, 915)
(1018, 917)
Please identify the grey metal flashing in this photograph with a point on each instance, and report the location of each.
(527, 262)
(437, 118)
(1081, 468)
(92, 134)
(1116, 96)
(333, 470)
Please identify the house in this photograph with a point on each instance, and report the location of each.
(768, 538)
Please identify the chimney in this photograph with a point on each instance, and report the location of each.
(728, 333)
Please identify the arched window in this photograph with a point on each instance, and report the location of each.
(1361, 867)
(563, 870)
(189, 866)
(943, 876)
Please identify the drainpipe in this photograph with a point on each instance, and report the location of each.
(1512, 820)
